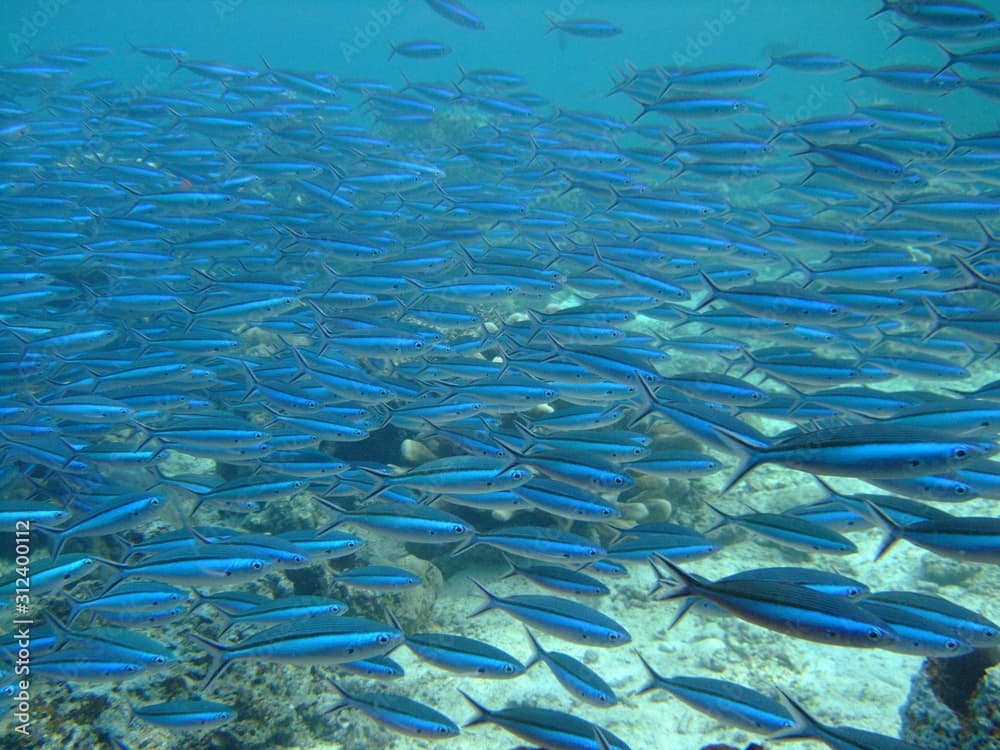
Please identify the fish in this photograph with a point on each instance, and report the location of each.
(836, 737)
(456, 13)
(456, 310)
(725, 701)
(586, 27)
(324, 639)
(787, 608)
(875, 451)
(397, 712)
(187, 715)
(579, 680)
(546, 727)
(560, 617)
(461, 655)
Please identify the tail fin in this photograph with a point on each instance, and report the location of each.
(805, 724)
(514, 570)
(55, 538)
(537, 652)
(687, 584)
(220, 659)
(655, 678)
(893, 530)
(465, 545)
(726, 517)
(483, 714)
(339, 515)
(937, 318)
(491, 599)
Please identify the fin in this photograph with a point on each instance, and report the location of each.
(893, 530)
(339, 515)
(655, 678)
(726, 518)
(537, 654)
(483, 714)
(395, 621)
(687, 585)
(514, 570)
(220, 660)
(805, 724)
(490, 603)
(465, 545)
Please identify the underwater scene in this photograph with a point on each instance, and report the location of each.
(574, 374)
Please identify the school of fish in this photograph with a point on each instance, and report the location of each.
(277, 277)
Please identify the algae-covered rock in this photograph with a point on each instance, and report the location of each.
(954, 704)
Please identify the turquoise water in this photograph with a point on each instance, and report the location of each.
(491, 198)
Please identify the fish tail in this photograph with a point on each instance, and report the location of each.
(805, 724)
(952, 59)
(340, 691)
(482, 713)
(901, 34)
(395, 621)
(74, 607)
(220, 659)
(655, 678)
(339, 515)
(54, 538)
(687, 585)
(514, 570)
(63, 631)
(537, 652)
(937, 319)
(749, 461)
(711, 288)
(893, 530)
(490, 602)
(726, 518)
(468, 543)
(681, 611)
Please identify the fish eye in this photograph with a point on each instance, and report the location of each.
(256, 565)
(619, 481)
(508, 668)
(960, 452)
(383, 638)
(458, 529)
(951, 645)
(874, 635)
(613, 636)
